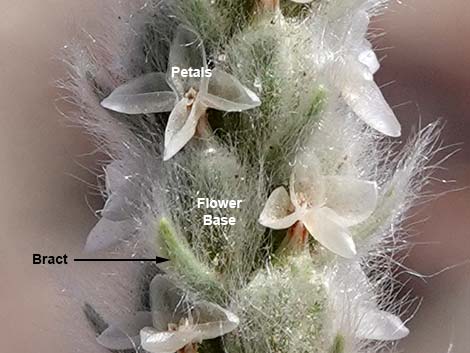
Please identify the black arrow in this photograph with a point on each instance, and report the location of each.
(157, 260)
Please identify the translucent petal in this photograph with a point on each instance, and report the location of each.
(321, 225)
(368, 58)
(107, 233)
(358, 28)
(212, 321)
(125, 334)
(117, 208)
(344, 8)
(353, 200)
(181, 126)
(366, 100)
(278, 213)
(226, 93)
(121, 189)
(155, 341)
(146, 94)
(186, 52)
(306, 184)
(114, 176)
(380, 325)
(167, 303)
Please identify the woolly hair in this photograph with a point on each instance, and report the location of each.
(281, 57)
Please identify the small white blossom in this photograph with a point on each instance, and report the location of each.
(186, 97)
(354, 77)
(345, 57)
(172, 325)
(326, 205)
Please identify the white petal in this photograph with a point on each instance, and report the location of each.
(117, 208)
(121, 190)
(353, 200)
(321, 225)
(369, 59)
(125, 334)
(166, 302)
(155, 341)
(186, 52)
(358, 27)
(146, 94)
(212, 321)
(181, 126)
(278, 211)
(226, 93)
(107, 233)
(377, 324)
(302, 1)
(366, 100)
(306, 183)
(114, 175)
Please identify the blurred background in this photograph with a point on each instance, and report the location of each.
(46, 198)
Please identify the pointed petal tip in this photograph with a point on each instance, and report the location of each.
(167, 155)
(396, 132)
(389, 124)
(382, 325)
(109, 104)
(106, 104)
(349, 253)
(256, 101)
(403, 332)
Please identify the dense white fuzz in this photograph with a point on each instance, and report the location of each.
(304, 162)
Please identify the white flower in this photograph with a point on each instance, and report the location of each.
(356, 308)
(354, 77)
(186, 97)
(345, 56)
(172, 325)
(326, 205)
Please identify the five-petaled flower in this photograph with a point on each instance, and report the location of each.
(173, 325)
(188, 98)
(326, 205)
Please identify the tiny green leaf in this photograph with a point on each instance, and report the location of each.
(195, 273)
